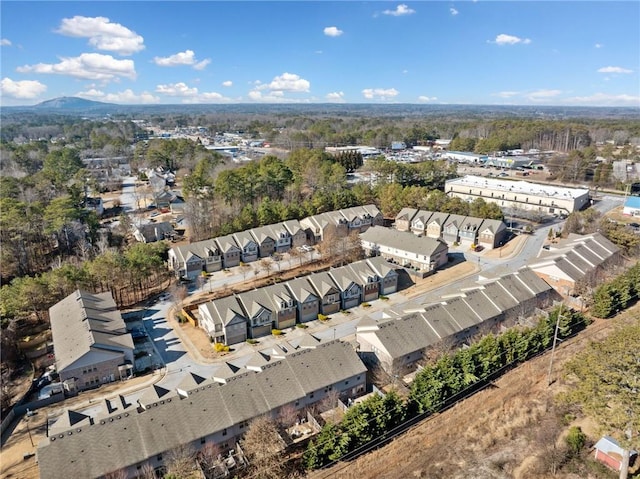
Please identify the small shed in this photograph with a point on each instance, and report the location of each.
(609, 452)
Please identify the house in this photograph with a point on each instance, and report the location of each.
(359, 218)
(248, 246)
(369, 280)
(403, 219)
(420, 221)
(575, 262)
(469, 231)
(386, 272)
(631, 206)
(93, 204)
(435, 225)
(329, 224)
(327, 291)
(90, 339)
(258, 312)
(281, 236)
(451, 228)
(265, 240)
(298, 235)
(204, 413)
(184, 262)
(224, 320)
(152, 232)
(609, 452)
(492, 233)
(406, 249)
(350, 286)
(231, 252)
(307, 300)
(282, 305)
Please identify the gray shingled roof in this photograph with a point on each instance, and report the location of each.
(404, 336)
(131, 437)
(82, 323)
(402, 240)
(301, 289)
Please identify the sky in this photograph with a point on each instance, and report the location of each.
(482, 52)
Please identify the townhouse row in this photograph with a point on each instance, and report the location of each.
(189, 261)
(124, 438)
(252, 314)
(465, 230)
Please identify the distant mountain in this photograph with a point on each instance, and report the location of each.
(71, 103)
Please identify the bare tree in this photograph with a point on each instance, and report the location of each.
(147, 472)
(295, 253)
(119, 474)
(208, 456)
(287, 416)
(266, 265)
(181, 462)
(330, 401)
(263, 446)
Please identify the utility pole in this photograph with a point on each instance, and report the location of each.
(553, 348)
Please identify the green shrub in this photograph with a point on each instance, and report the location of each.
(383, 297)
(345, 312)
(252, 341)
(276, 332)
(221, 348)
(323, 317)
(365, 305)
(576, 440)
(302, 326)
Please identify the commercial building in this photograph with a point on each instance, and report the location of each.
(544, 199)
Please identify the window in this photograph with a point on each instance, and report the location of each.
(159, 457)
(202, 440)
(224, 432)
(311, 395)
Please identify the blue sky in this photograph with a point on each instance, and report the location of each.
(443, 52)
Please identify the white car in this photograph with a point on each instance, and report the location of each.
(306, 248)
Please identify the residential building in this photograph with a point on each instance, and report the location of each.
(350, 286)
(523, 195)
(631, 206)
(386, 273)
(224, 320)
(231, 252)
(248, 246)
(283, 305)
(420, 222)
(306, 299)
(492, 233)
(435, 225)
(575, 262)
(469, 231)
(258, 311)
(203, 412)
(369, 280)
(327, 291)
(403, 219)
(90, 339)
(397, 343)
(266, 242)
(282, 237)
(152, 232)
(423, 254)
(189, 261)
(451, 228)
(298, 235)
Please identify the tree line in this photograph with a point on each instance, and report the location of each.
(617, 294)
(438, 384)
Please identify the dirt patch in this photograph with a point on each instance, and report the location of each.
(498, 433)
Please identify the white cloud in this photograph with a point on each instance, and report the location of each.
(187, 57)
(598, 45)
(333, 31)
(5, 42)
(614, 70)
(423, 98)
(23, 89)
(506, 94)
(400, 10)
(227, 83)
(504, 39)
(380, 93)
(89, 66)
(605, 99)
(336, 96)
(190, 94)
(255, 95)
(287, 82)
(127, 97)
(176, 89)
(543, 95)
(453, 11)
(102, 34)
